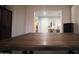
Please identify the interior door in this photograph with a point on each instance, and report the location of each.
(0, 23)
(6, 23)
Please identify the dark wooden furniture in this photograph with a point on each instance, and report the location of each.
(5, 23)
(41, 41)
(68, 27)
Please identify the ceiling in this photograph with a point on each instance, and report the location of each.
(48, 13)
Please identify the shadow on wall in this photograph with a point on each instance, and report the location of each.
(75, 28)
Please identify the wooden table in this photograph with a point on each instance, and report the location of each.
(42, 41)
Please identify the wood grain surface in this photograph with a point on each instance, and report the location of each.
(42, 41)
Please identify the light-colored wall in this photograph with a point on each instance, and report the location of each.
(18, 20)
(23, 17)
(66, 14)
(75, 18)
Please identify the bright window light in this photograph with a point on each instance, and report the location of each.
(44, 25)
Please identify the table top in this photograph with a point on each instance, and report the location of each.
(48, 41)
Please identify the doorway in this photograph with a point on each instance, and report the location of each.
(48, 21)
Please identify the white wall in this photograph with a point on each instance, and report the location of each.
(75, 18)
(18, 20)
